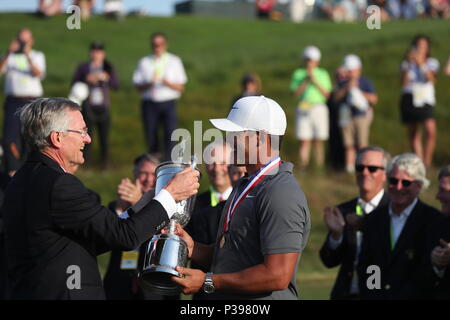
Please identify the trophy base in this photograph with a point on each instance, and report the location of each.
(158, 280)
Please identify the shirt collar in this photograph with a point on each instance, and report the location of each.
(372, 203)
(405, 213)
(224, 194)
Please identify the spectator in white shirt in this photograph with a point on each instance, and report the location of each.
(24, 68)
(160, 78)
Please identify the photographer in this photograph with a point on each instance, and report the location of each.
(311, 87)
(418, 98)
(24, 69)
(100, 76)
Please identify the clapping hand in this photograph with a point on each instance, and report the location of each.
(129, 192)
(334, 221)
(440, 256)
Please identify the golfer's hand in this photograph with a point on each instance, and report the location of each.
(191, 281)
(179, 231)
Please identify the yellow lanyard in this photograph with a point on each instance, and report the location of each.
(214, 200)
(160, 66)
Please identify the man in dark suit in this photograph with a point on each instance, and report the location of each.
(121, 278)
(343, 242)
(54, 226)
(394, 236)
(216, 167)
(204, 222)
(4, 180)
(208, 205)
(437, 258)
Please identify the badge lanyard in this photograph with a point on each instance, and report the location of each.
(253, 182)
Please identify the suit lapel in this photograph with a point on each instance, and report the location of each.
(384, 229)
(384, 200)
(410, 228)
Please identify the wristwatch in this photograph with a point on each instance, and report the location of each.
(208, 285)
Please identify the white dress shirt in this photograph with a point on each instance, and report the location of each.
(222, 196)
(152, 69)
(398, 220)
(167, 201)
(19, 80)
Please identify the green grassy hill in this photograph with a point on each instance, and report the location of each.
(216, 52)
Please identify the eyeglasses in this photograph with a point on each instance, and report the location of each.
(83, 132)
(405, 183)
(372, 169)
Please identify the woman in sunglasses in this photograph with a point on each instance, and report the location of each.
(394, 236)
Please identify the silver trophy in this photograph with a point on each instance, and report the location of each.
(167, 251)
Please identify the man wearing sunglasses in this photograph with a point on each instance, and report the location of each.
(343, 241)
(394, 236)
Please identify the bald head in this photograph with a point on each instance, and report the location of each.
(25, 35)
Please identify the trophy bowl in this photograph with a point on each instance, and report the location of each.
(167, 251)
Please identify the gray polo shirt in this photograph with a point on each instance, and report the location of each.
(273, 218)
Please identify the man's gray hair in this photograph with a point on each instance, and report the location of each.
(444, 172)
(42, 116)
(386, 155)
(413, 166)
(145, 157)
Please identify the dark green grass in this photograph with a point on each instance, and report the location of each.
(216, 52)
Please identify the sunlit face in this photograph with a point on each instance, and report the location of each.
(159, 45)
(401, 195)
(443, 195)
(422, 46)
(72, 143)
(217, 168)
(354, 73)
(97, 54)
(251, 87)
(236, 173)
(309, 63)
(245, 147)
(146, 175)
(26, 36)
(370, 181)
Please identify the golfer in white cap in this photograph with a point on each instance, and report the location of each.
(311, 87)
(265, 222)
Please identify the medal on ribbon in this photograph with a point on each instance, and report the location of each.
(238, 198)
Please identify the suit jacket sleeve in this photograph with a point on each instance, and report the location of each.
(76, 210)
(332, 257)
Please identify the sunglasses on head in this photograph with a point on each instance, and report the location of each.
(405, 183)
(372, 169)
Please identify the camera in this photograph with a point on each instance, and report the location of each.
(21, 46)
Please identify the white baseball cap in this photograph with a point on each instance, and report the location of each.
(79, 92)
(352, 62)
(254, 113)
(312, 53)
